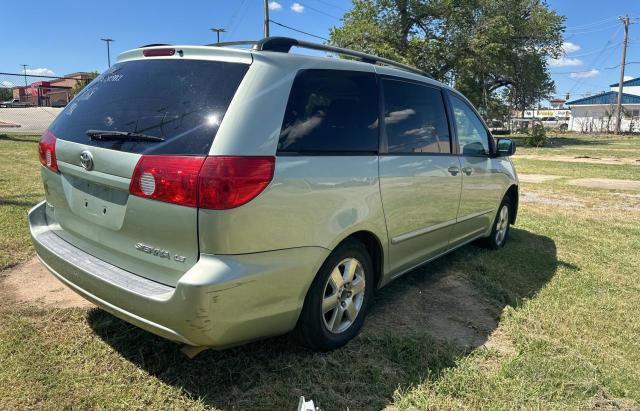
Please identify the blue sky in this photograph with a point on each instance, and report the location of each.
(72, 42)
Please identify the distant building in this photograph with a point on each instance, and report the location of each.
(54, 92)
(597, 113)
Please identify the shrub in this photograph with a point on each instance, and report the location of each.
(537, 136)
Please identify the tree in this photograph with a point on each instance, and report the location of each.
(5, 93)
(483, 47)
(80, 84)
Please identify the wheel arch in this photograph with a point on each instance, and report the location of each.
(513, 194)
(374, 246)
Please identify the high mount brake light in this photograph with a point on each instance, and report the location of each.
(215, 182)
(47, 151)
(158, 52)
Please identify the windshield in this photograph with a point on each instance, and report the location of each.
(182, 102)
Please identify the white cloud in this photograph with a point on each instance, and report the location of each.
(297, 7)
(6, 84)
(627, 78)
(585, 74)
(564, 62)
(274, 5)
(40, 72)
(569, 47)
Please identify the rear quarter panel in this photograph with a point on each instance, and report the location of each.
(313, 201)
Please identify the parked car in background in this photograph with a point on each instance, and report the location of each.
(59, 103)
(554, 123)
(498, 127)
(15, 103)
(215, 195)
(521, 125)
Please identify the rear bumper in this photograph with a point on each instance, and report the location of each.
(221, 301)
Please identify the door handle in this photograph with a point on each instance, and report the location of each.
(453, 170)
(467, 170)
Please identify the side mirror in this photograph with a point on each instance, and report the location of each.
(505, 147)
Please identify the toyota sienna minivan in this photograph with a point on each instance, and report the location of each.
(219, 195)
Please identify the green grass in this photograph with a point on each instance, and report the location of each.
(584, 145)
(577, 170)
(20, 189)
(565, 293)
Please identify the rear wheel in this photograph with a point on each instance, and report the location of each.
(338, 299)
(501, 226)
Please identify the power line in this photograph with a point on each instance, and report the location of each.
(591, 52)
(592, 24)
(595, 61)
(335, 6)
(299, 31)
(321, 12)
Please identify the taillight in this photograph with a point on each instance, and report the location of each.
(47, 151)
(228, 182)
(173, 179)
(207, 182)
(158, 52)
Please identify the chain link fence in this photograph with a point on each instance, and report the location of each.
(28, 103)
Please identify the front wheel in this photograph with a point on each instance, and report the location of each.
(338, 299)
(500, 230)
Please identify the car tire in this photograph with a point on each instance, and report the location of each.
(338, 300)
(501, 226)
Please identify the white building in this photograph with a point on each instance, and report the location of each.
(597, 113)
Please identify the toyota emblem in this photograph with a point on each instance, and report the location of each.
(86, 159)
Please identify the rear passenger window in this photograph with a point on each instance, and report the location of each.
(331, 111)
(415, 118)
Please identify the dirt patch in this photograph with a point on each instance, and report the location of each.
(607, 183)
(537, 178)
(446, 306)
(540, 198)
(32, 283)
(581, 159)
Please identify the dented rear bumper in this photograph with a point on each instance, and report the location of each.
(223, 300)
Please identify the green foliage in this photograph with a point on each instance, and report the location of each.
(77, 88)
(494, 51)
(6, 94)
(537, 136)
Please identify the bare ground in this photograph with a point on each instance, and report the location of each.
(547, 199)
(537, 178)
(32, 283)
(444, 305)
(581, 159)
(607, 183)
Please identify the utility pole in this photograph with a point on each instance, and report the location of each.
(24, 70)
(108, 40)
(218, 31)
(266, 18)
(625, 21)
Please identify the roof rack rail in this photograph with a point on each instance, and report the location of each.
(284, 44)
(234, 43)
(154, 45)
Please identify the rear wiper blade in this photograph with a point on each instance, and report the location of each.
(120, 135)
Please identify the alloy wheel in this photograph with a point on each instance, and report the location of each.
(343, 295)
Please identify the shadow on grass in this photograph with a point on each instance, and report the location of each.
(27, 138)
(566, 141)
(418, 327)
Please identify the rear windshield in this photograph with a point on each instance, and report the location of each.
(181, 101)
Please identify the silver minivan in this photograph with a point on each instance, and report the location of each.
(219, 195)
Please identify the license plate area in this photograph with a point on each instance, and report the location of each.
(99, 204)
